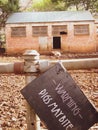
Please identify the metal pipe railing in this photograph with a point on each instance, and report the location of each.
(43, 65)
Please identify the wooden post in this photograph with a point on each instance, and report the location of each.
(31, 64)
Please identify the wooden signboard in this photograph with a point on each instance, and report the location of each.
(59, 102)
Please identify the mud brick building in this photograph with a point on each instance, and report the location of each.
(66, 31)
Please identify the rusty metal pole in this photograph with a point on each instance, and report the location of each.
(31, 58)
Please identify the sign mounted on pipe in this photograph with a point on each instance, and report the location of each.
(59, 102)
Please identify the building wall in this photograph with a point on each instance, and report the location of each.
(69, 42)
(96, 37)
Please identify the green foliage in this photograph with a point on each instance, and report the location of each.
(50, 5)
(91, 5)
(3, 2)
(60, 6)
(44, 5)
(7, 7)
(13, 5)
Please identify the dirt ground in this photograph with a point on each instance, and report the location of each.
(12, 103)
(73, 55)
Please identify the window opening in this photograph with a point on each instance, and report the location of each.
(81, 29)
(59, 30)
(18, 31)
(40, 30)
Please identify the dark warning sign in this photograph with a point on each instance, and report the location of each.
(59, 102)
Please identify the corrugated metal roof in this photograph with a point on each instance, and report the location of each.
(24, 17)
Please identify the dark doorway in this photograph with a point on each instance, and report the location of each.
(56, 42)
